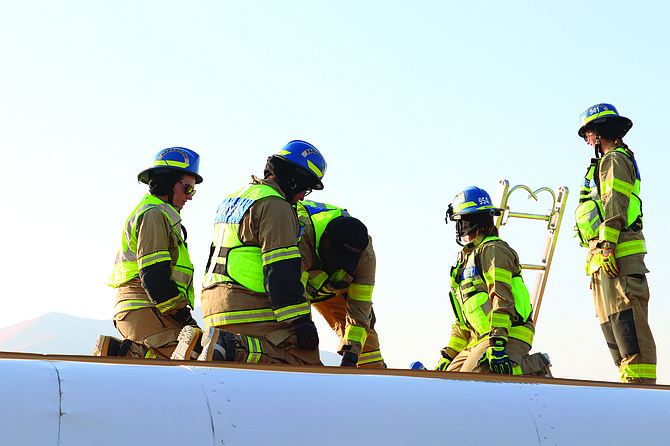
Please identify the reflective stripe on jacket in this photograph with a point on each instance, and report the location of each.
(127, 265)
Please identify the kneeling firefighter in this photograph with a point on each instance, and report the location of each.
(493, 332)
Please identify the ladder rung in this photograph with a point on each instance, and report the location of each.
(529, 216)
(533, 267)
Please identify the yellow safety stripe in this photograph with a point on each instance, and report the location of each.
(608, 234)
(278, 255)
(150, 355)
(370, 357)
(355, 334)
(638, 371)
(516, 370)
(254, 355)
(317, 281)
(240, 317)
(457, 344)
(170, 163)
(292, 311)
(131, 304)
(498, 275)
(169, 304)
(629, 248)
(153, 258)
(522, 333)
(499, 320)
(617, 185)
(360, 292)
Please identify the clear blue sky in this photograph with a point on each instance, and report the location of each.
(409, 102)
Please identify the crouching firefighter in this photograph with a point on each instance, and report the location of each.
(609, 224)
(493, 332)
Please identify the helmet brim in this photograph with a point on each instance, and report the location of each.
(143, 177)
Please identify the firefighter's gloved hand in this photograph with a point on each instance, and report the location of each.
(183, 316)
(608, 262)
(444, 361)
(349, 360)
(305, 331)
(496, 354)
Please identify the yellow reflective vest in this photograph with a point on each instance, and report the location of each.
(473, 305)
(232, 261)
(127, 265)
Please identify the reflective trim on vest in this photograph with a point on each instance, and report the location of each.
(355, 334)
(254, 355)
(240, 317)
(292, 311)
(370, 357)
(232, 261)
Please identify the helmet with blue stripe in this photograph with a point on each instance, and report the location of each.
(471, 200)
(173, 159)
(306, 158)
(605, 119)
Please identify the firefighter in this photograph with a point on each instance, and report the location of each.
(253, 300)
(153, 271)
(609, 224)
(493, 332)
(338, 264)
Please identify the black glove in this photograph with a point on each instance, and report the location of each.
(305, 331)
(183, 316)
(349, 360)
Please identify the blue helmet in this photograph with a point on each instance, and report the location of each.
(604, 117)
(173, 158)
(471, 200)
(307, 158)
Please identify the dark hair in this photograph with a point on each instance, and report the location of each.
(488, 229)
(162, 183)
(290, 179)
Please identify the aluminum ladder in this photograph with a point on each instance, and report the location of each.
(553, 219)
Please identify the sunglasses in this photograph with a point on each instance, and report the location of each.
(188, 189)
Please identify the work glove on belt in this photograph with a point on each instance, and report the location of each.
(608, 262)
(497, 357)
(305, 331)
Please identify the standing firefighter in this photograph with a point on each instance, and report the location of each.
(153, 271)
(609, 222)
(339, 274)
(493, 332)
(252, 299)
